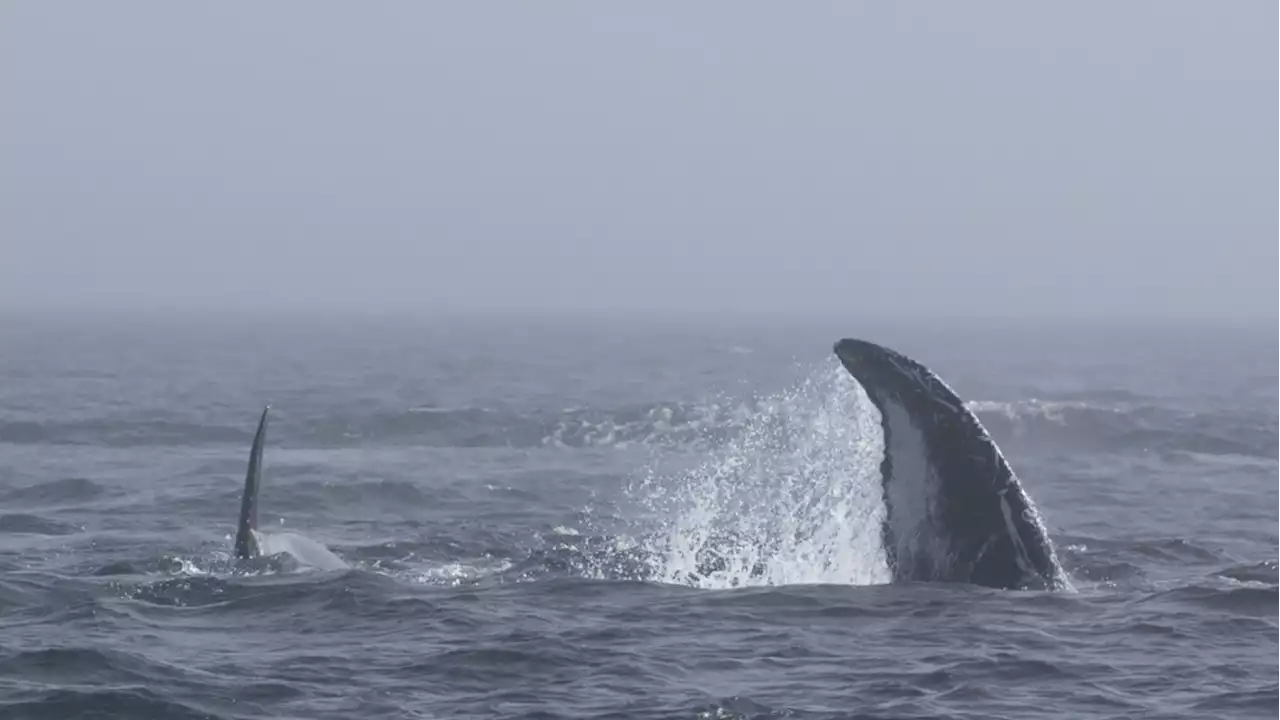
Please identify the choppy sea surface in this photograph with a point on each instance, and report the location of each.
(616, 518)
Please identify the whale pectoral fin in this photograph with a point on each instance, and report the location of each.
(246, 543)
(954, 509)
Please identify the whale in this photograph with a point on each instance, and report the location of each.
(251, 544)
(955, 510)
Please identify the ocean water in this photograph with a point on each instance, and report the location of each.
(616, 518)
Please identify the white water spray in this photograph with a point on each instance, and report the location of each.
(303, 549)
(795, 498)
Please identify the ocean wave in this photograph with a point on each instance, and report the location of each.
(1248, 601)
(49, 493)
(119, 432)
(662, 423)
(1261, 701)
(57, 704)
(24, 524)
(1262, 572)
(101, 665)
(1117, 562)
(1117, 422)
(1126, 426)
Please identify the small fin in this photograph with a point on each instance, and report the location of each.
(246, 544)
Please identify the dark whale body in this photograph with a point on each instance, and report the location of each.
(955, 509)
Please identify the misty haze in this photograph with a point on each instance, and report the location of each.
(992, 161)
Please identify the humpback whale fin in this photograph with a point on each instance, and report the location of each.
(955, 510)
(246, 543)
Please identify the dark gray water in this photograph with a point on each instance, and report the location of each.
(527, 510)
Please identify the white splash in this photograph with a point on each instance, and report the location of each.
(455, 573)
(303, 549)
(794, 498)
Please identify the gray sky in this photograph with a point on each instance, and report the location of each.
(920, 159)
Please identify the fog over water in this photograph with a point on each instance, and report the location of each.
(979, 160)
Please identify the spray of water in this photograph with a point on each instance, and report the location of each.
(303, 549)
(794, 498)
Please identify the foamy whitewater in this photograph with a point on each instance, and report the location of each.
(641, 519)
(793, 498)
